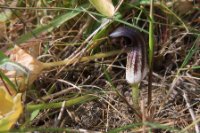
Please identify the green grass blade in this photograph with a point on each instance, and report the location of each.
(69, 103)
(151, 36)
(108, 78)
(195, 67)
(8, 81)
(131, 25)
(137, 125)
(191, 52)
(52, 25)
(3, 58)
(160, 126)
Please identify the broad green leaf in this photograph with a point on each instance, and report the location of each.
(105, 7)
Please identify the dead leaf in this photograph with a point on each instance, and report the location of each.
(33, 66)
(32, 47)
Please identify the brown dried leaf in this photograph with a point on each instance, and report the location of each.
(33, 66)
(32, 47)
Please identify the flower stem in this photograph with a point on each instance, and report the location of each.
(135, 97)
(151, 50)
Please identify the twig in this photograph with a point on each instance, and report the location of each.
(119, 4)
(60, 114)
(191, 111)
(143, 111)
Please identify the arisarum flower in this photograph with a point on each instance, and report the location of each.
(136, 65)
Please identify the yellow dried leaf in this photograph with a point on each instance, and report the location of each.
(105, 7)
(10, 109)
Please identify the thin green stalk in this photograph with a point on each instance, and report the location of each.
(83, 59)
(8, 83)
(47, 130)
(151, 51)
(131, 25)
(71, 102)
(135, 97)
